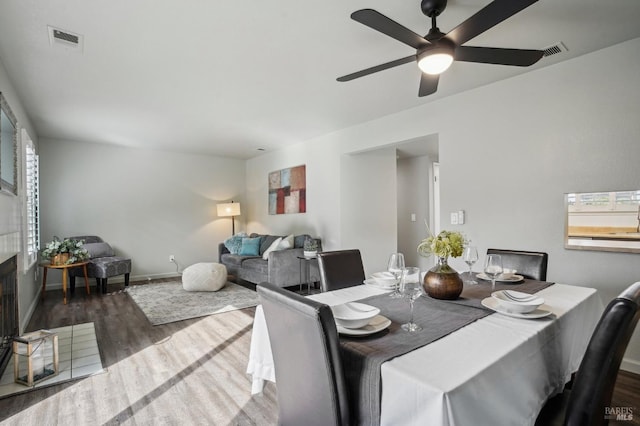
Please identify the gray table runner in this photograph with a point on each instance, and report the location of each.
(363, 356)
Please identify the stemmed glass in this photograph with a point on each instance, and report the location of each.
(411, 288)
(395, 266)
(470, 256)
(493, 268)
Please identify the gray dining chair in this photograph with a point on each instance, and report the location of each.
(310, 381)
(340, 269)
(529, 264)
(585, 402)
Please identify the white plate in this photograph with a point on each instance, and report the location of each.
(371, 281)
(494, 305)
(378, 323)
(514, 279)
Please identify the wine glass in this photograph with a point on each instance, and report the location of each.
(470, 256)
(493, 268)
(411, 288)
(395, 266)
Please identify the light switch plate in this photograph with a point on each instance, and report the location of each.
(454, 218)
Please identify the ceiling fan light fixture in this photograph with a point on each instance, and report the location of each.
(436, 60)
(436, 63)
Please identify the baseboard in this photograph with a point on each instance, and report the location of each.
(118, 279)
(150, 277)
(630, 365)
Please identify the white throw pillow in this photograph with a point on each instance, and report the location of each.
(273, 247)
(286, 243)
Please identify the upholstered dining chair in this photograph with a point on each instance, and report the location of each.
(584, 404)
(529, 264)
(310, 382)
(340, 269)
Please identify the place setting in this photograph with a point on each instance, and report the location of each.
(389, 279)
(359, 319)
(494, 272)
(516, 304)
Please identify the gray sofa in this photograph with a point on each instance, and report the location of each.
(283, 268)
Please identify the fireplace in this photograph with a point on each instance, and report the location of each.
(8, 309)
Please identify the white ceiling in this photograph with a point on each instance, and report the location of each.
(227, 77)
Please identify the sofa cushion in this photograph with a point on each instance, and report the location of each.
(273, 247)
(234, 243)
(256, 264)
(234, 260)
(267, 241)
(286, 243)
(250, 246)
(299, 240)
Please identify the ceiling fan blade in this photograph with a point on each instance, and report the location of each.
(377, 68)
(499, 56)
(428, 84)
(491, 15)
(379, 22)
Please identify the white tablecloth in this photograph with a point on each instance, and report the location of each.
(498, 370)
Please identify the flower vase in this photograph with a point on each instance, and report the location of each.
(442, 281)
(60, 259)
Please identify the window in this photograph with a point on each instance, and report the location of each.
(32, 187)
(621, 201)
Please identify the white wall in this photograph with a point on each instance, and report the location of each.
(413, 198)
(11, 210)
(146, 204)
(369, 206)
(530, 139)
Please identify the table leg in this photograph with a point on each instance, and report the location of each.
(86, 278)
(307, 275)
(301, 274)
(44, 281)
(64, 285)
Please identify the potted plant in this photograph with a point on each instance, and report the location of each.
(65, 252)
(442, 281)
(310, 247)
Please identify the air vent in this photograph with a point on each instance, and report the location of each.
(59, 37)
(559, 47)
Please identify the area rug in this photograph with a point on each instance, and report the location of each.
(78, 357)
(163, 303)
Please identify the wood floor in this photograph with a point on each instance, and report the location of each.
(184, 373)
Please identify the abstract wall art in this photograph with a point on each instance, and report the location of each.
(288, 190)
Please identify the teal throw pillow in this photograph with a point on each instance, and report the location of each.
(234, 243)
(250, 247)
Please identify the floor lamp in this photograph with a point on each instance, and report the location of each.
(229, 210)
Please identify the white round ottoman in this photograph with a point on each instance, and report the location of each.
(204, 277)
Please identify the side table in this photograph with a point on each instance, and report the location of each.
(305, 274)
(65, 274)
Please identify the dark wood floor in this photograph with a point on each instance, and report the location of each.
(187, 372)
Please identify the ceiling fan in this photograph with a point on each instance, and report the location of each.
(436, 51)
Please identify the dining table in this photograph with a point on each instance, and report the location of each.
(498, 369)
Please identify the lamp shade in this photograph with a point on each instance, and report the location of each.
(228, 209)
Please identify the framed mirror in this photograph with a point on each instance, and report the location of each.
(606, 221)
(8, 149)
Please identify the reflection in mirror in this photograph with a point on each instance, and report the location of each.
(607, 221)
(8, 148)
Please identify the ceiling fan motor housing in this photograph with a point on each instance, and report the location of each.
(441, 45)
(433, 8)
